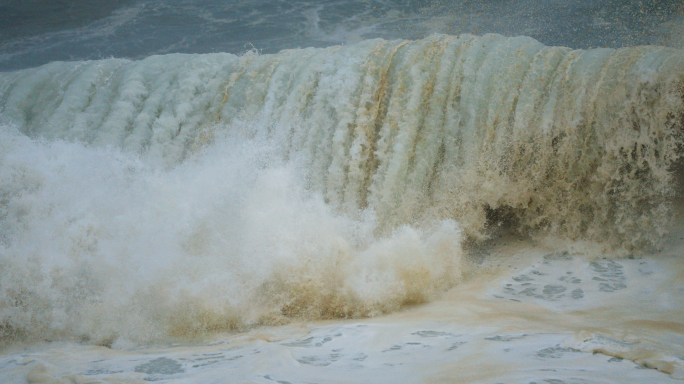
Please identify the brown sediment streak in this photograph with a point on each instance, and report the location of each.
(671, 326)
(244, 61)
(371, 128)
(359, 135)
(645, 357)
(450, 96)
(433, 54)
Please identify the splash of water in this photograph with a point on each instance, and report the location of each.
(101, 244)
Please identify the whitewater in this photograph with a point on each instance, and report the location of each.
(454, 209)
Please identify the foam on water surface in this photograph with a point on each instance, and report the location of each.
(470, 335)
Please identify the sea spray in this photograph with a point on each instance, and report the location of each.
(99, 244)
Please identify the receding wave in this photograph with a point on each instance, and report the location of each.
(190, 193)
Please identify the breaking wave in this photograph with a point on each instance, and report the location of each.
(185, 194)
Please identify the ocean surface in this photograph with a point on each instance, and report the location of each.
(342, 191)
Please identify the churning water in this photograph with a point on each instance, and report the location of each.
(262, 211)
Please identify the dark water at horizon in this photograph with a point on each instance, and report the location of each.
(33, 33)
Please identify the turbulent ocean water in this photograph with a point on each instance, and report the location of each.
(342, 191)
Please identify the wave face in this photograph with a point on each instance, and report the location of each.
(191, 193)
(574, 142)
